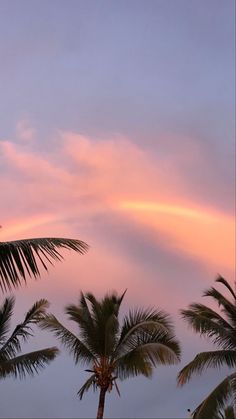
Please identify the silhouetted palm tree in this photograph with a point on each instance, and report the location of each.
(114, 350)
(20, 258)
(12, 362)
(220, 328)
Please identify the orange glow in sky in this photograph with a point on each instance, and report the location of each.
(15, 229)
(162, 208)
(206, 235)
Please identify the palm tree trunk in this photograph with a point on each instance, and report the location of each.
(101, 403)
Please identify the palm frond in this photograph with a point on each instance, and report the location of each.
(110, 304)
(216, 400)
(76, 347)
(229, 412)
(20, 258)
(233, 385)
(227, 307)
(203, 360)
(94, 304)
(23, 330)
(6, 312)
(81, 315)
(147, 350)
(97, 321)
(116, 386)
(133, 364)
(208, 322)
(87, 385)
(140, 320)
(27, 364)
(223, 281)
(111, 335)
(105, 317)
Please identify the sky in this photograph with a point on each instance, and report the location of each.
(118, 128)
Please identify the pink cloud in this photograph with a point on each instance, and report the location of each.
(83, 178)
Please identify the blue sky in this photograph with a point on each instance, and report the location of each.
(133, 67)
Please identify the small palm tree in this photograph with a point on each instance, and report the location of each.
(20, 258)
(12, 362)
(220, 328)
(112, 350)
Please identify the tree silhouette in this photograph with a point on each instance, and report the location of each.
(12, 362)
(21, 258)
(220, 328)
(112, 349)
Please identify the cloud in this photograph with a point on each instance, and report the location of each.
(83, 177)
(24, 130)
(199, 232)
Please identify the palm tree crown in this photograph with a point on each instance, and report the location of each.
(12, 363)
(20, 258)
(220, 328)
(112, 350)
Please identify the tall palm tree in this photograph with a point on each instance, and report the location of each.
(20, 258)
(112, 349)
(12, 362)
(220, 328)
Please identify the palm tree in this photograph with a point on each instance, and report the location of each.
(112, 350)
(220, 328)
(12, 362)
(20, 258)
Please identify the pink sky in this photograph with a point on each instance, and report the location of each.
(114, 194)
(83, 178)
(93, 188)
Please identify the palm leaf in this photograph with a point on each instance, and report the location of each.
(208, 322)
(76, 347)
(145, 351)
(229, 412)
(233, 385)
(216, 400)
(132, 365)
(229, 308)
(139, 321)
(6, 312)
(139, 316)
(81, 315)
(111, 335)
(110, 304)
(20, 257)
(204, 360)
(223, 281)
(23, 330)
(105, 317)
(87, 385)
(27, 364)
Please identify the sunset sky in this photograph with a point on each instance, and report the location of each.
(118, 128)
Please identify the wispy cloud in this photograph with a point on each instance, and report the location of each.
(24, 131)
(82, 178)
